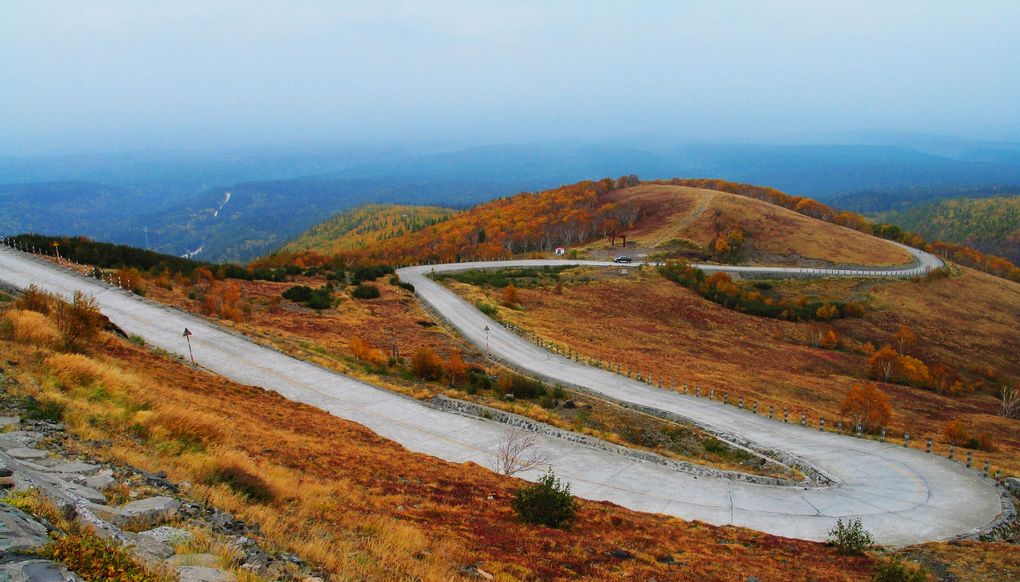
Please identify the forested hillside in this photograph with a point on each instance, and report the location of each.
(365, 225)
(991, 225)
(503, 227)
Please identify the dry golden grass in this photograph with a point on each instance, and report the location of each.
(777, 235)
(31, 327)
(365, 508)
(653, 325)
(78, 371)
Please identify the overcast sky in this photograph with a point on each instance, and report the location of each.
(102, 75)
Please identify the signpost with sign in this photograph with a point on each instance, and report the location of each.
(187, 336)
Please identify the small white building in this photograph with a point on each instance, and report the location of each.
(560, 251)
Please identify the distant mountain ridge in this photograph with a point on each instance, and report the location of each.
(167, 202)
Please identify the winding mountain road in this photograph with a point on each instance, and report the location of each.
(903, 496)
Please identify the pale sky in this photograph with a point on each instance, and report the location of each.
(119, 75)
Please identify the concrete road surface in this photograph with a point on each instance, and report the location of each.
(903, 496)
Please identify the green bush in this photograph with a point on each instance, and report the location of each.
(851, 539)
(521, 386)
(548, 502)
(321, 298)
(396, 282)
(45, 409)
(298, 293)
(895, 570)
(370, 272)
(363, 291)
(487, 308)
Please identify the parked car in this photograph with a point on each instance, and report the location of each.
(623, 260)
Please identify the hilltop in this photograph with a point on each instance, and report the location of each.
(991, 225)
(699, 220)
(711, 224)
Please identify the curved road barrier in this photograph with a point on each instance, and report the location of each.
(903, 496)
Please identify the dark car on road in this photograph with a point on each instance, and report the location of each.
(623, 260)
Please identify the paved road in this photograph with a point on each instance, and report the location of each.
(903, 496)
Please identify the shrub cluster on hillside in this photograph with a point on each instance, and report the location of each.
(755, 299)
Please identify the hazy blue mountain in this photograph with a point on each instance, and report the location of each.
(277, 194)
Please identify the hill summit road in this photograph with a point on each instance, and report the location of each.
(903, 496)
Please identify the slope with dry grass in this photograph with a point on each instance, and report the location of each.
(772, 234)
(647, 323)
(358, 505)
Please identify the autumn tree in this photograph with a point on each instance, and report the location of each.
(890, 366)
(955, 433)
(912, 371)
(905, 338)
(831, 340)
(511, 296)
(882, 364)
(223, 300)
(868, 407)
(1009, 402)
(456, 369)
(425, 364)
(78, 321)
(363, 351)
(827, 312)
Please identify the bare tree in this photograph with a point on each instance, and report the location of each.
(1010, 403)
(518, 451)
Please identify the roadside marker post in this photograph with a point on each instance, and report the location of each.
(187, 336)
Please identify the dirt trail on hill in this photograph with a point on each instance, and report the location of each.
(695, 213)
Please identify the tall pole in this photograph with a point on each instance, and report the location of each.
(486, 341)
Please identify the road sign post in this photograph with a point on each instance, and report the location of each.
(187, 336)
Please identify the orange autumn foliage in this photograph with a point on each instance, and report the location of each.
(511, 297)
(867, 406)
(364, 352)
(223, 300)
(456, 369)
(426, 364)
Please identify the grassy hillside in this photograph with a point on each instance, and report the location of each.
(660, 219)
(964, 327)
(991, 225)
(347, 501)
(725, 226)
(366, 225)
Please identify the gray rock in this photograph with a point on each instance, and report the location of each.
(149, 550)
(57, 480)
(26, 453)
(19, 533)
(20, 438)
(1013, 485)
(100, 482)
(86, 493)
(204, 574)
(6, 421)
(168, 535)
(36, 571)
(141, 513)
